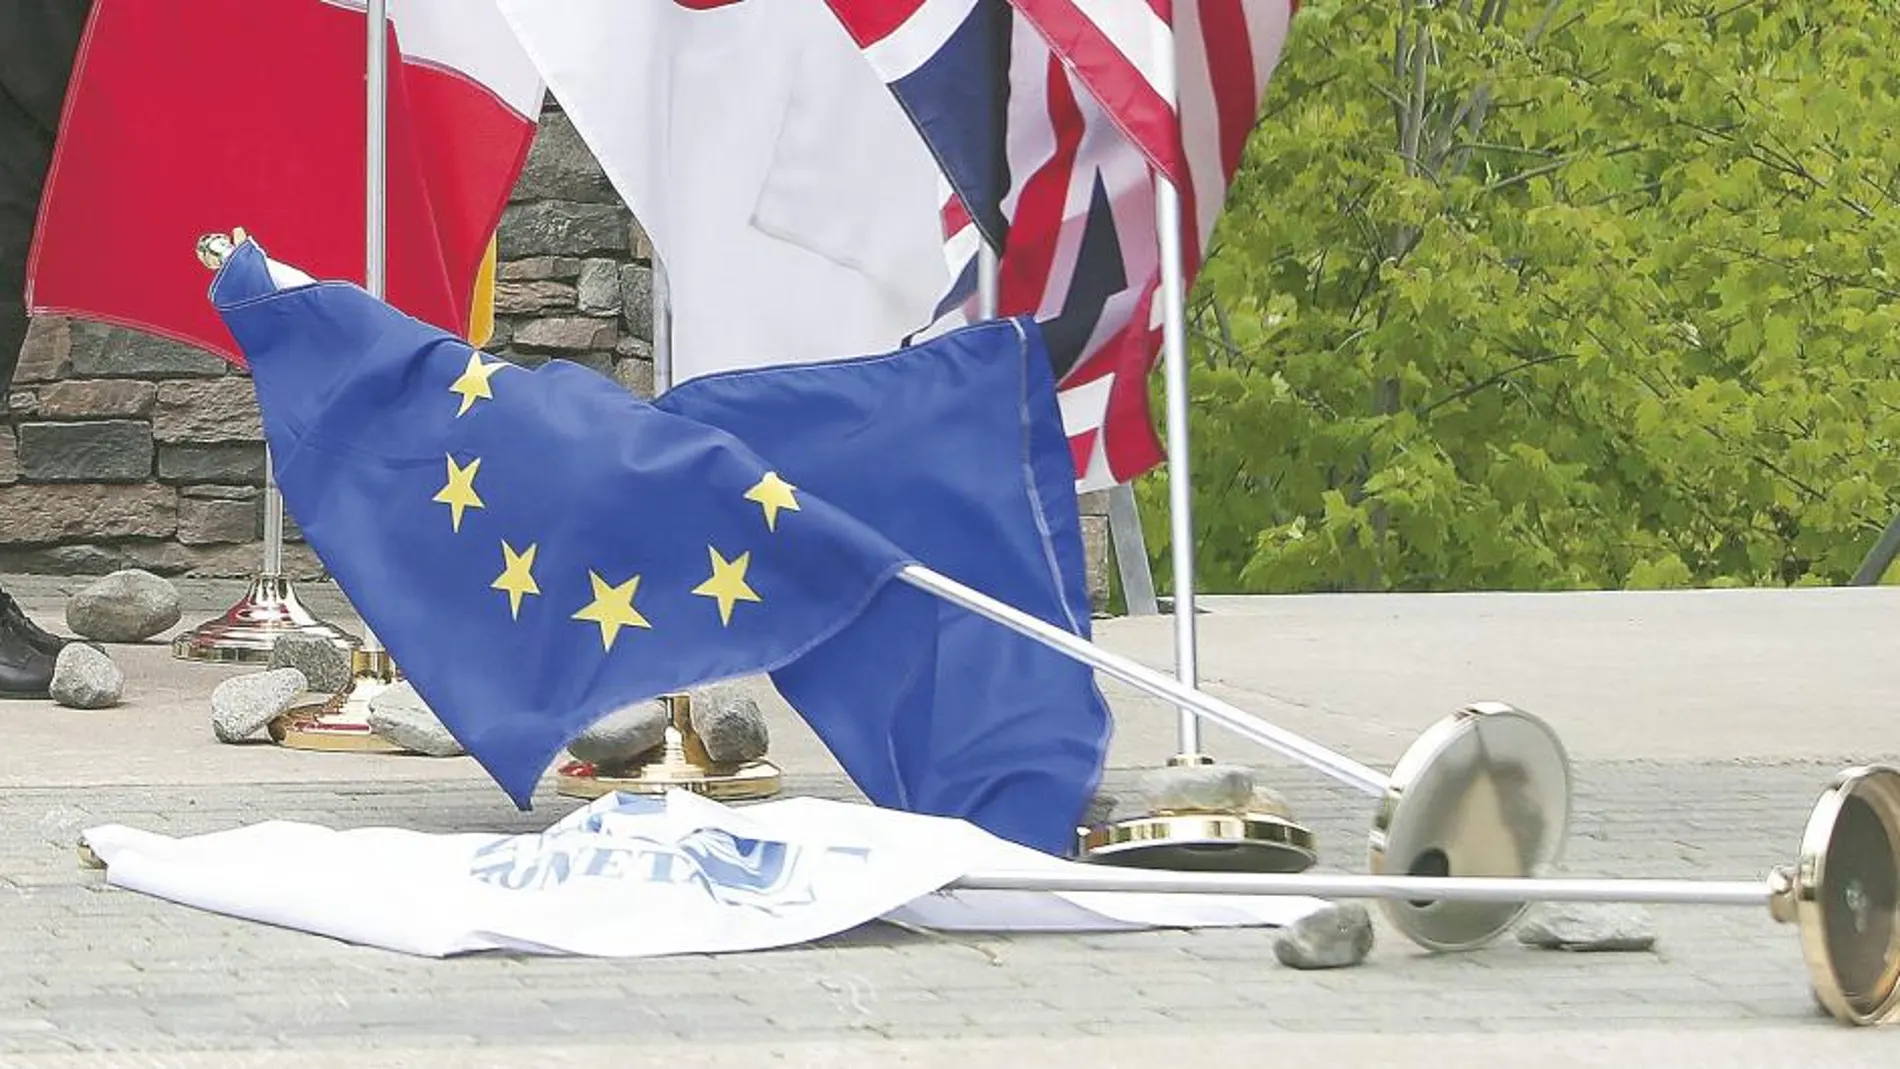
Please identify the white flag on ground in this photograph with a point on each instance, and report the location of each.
(636, 877)
(795, 208)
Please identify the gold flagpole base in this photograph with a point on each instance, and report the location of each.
(248, 630)
(680, 764)
(340, 724)
(1241, 839)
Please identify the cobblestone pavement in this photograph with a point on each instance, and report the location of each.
(89, 968)
(94, 976)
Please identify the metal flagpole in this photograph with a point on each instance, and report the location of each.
(662, 328)
(341, 723)
(1243, 833)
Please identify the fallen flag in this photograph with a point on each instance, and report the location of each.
(630, 877)
(540, 548)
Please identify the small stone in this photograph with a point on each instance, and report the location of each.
(400, 715)
(1101, 809)
(1587, 926)
(619, 737)
(130, 605)
(1198, 788)
(85, 678)
(242, 705)
(324, 664)
(1334, 936)
(730, 725)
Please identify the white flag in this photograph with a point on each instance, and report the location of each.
(633, 877)
(794, 206)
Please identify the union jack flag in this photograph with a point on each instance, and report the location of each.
(1051, 122)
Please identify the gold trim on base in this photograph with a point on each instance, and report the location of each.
(1203, 842)
(340, 723)
(248, 630)
(682, 764)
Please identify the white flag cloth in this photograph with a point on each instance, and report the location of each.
(638, 877)
(795, 208)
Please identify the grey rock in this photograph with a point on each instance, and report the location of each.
(242, 705)
(1337, 935)
(1587, 926)
(598, 291)
(85, 678)
(101, 351)
(324, 664)
(620, 737)
(127, 606)
(1101, 809)
(730, 725)
(1198, 788)
(560, 167)
(400, 715)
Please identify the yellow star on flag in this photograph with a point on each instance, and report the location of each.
(727, 585)
(773, 493)
(517, 577)
(612, 608)
(459, 494)
(474, 381)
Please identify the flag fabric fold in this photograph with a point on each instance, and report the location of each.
(761, 156)
(187, 119)
(538, 548)
(637, 877)
(1049, 123)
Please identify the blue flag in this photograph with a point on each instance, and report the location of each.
(538, 548)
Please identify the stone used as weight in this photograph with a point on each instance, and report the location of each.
(242, 705)
(621, 736)
(400, 715)
(130, 605)
(324, 664)
(85, 678)
(730, 725)
(1587, 926)
(1198, 788)
(1333, 937)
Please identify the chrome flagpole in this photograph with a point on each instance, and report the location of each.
(341, 723)
(1226, 830)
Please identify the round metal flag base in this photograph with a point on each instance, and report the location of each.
(1484, 792)
(1843, 894)
(1203, 842)
(681, 764)
(752, 780)
(248, 630)
(340, 723)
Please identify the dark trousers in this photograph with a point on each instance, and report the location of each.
(38, 42)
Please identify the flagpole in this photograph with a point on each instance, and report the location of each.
(375, 199)
(1175, 372)
(1156, 839)
(662, 328)
(987, 280)
(340, 723)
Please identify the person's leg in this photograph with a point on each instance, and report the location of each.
(38, 42)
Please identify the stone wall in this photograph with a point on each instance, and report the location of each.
(119, 449)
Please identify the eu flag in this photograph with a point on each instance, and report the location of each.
(538, 547)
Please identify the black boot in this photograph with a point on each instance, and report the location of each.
(14, 619)
(25, 671)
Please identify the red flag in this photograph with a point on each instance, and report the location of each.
(186, 119)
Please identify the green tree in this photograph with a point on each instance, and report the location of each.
(1554, 295)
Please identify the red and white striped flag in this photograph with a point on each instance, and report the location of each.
(1051, 122)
